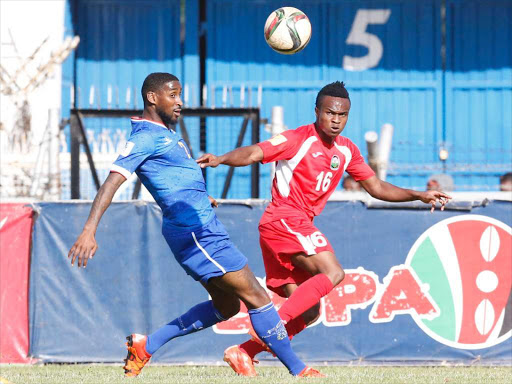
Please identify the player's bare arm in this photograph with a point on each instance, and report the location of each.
(85, 246)
(239, 157)
(213, 202)
(389, 192)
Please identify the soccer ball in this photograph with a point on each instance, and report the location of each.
(287, 30)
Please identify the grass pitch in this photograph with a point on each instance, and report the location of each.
(98, 374)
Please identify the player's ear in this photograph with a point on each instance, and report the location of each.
(151, 96)
(316, 112)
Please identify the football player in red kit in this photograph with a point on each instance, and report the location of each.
(300, 263)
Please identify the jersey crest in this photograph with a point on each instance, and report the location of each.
(335, 162)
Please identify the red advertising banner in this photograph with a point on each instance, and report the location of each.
(15, 229)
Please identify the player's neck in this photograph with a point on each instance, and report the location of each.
(326, 139)
(151, 115)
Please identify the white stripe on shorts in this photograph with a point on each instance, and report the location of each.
(304, 241)
(207, 255)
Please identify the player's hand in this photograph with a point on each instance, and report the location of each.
(83, 249)
(432, 197)
(208, 160)
(213, 202)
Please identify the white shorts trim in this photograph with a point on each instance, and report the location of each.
(206, 254)
(304, 241)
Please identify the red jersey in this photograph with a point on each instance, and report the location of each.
(308, 171)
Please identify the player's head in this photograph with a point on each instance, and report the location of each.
(506, 182)
(331, 110)
(336, 89)
(440, 182)
(162, 92)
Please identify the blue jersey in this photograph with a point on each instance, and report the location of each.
(162, 161)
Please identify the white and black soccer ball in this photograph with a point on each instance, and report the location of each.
(287, 30)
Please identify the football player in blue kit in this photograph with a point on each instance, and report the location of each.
(199, 242)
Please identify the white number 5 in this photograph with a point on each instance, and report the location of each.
(359, 36)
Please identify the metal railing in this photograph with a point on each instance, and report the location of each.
(79, 138)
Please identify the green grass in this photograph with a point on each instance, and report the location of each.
(108, 374)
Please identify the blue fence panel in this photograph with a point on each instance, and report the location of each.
(413, 293)
(121, 43)
(389, 53)
(401, 86)
(479, 91)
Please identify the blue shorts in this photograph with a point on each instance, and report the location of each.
(205, 253)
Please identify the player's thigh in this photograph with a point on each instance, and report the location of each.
(324, 262)
(243, 284)
(206, 252)
(317, 255)
(296, 235)
(321, 262)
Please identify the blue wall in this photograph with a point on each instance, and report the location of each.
(459, 101)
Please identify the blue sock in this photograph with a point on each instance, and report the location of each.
(201, 316)
(268, 326)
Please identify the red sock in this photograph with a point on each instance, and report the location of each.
(305, 296)
(295, 326)
(252, 347)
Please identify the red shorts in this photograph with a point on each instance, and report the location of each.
(279, 241)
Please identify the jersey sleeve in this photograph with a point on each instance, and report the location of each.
(280, 147)
(357, 168)
(137, 149)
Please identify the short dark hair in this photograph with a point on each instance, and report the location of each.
(507, 177)
(154, 81)
(336, 89)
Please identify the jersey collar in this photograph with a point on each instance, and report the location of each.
(137, 119)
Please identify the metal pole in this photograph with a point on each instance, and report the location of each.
(136, 189)
(75, 157)
(239, 142)
(53, 154)
(371, 138)
(184, 134)
(88, 151)
(255, 167)
(384, 149)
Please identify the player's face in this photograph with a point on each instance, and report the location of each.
(331, 116)
(168, 102)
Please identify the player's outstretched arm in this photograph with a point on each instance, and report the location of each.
(239, 157)
(389, 192)
(85, 246)
(213, 202)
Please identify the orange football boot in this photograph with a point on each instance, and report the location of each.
(310, 372)
(240, 361)
(137, 356)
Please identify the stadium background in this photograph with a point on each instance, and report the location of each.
(439, 71)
